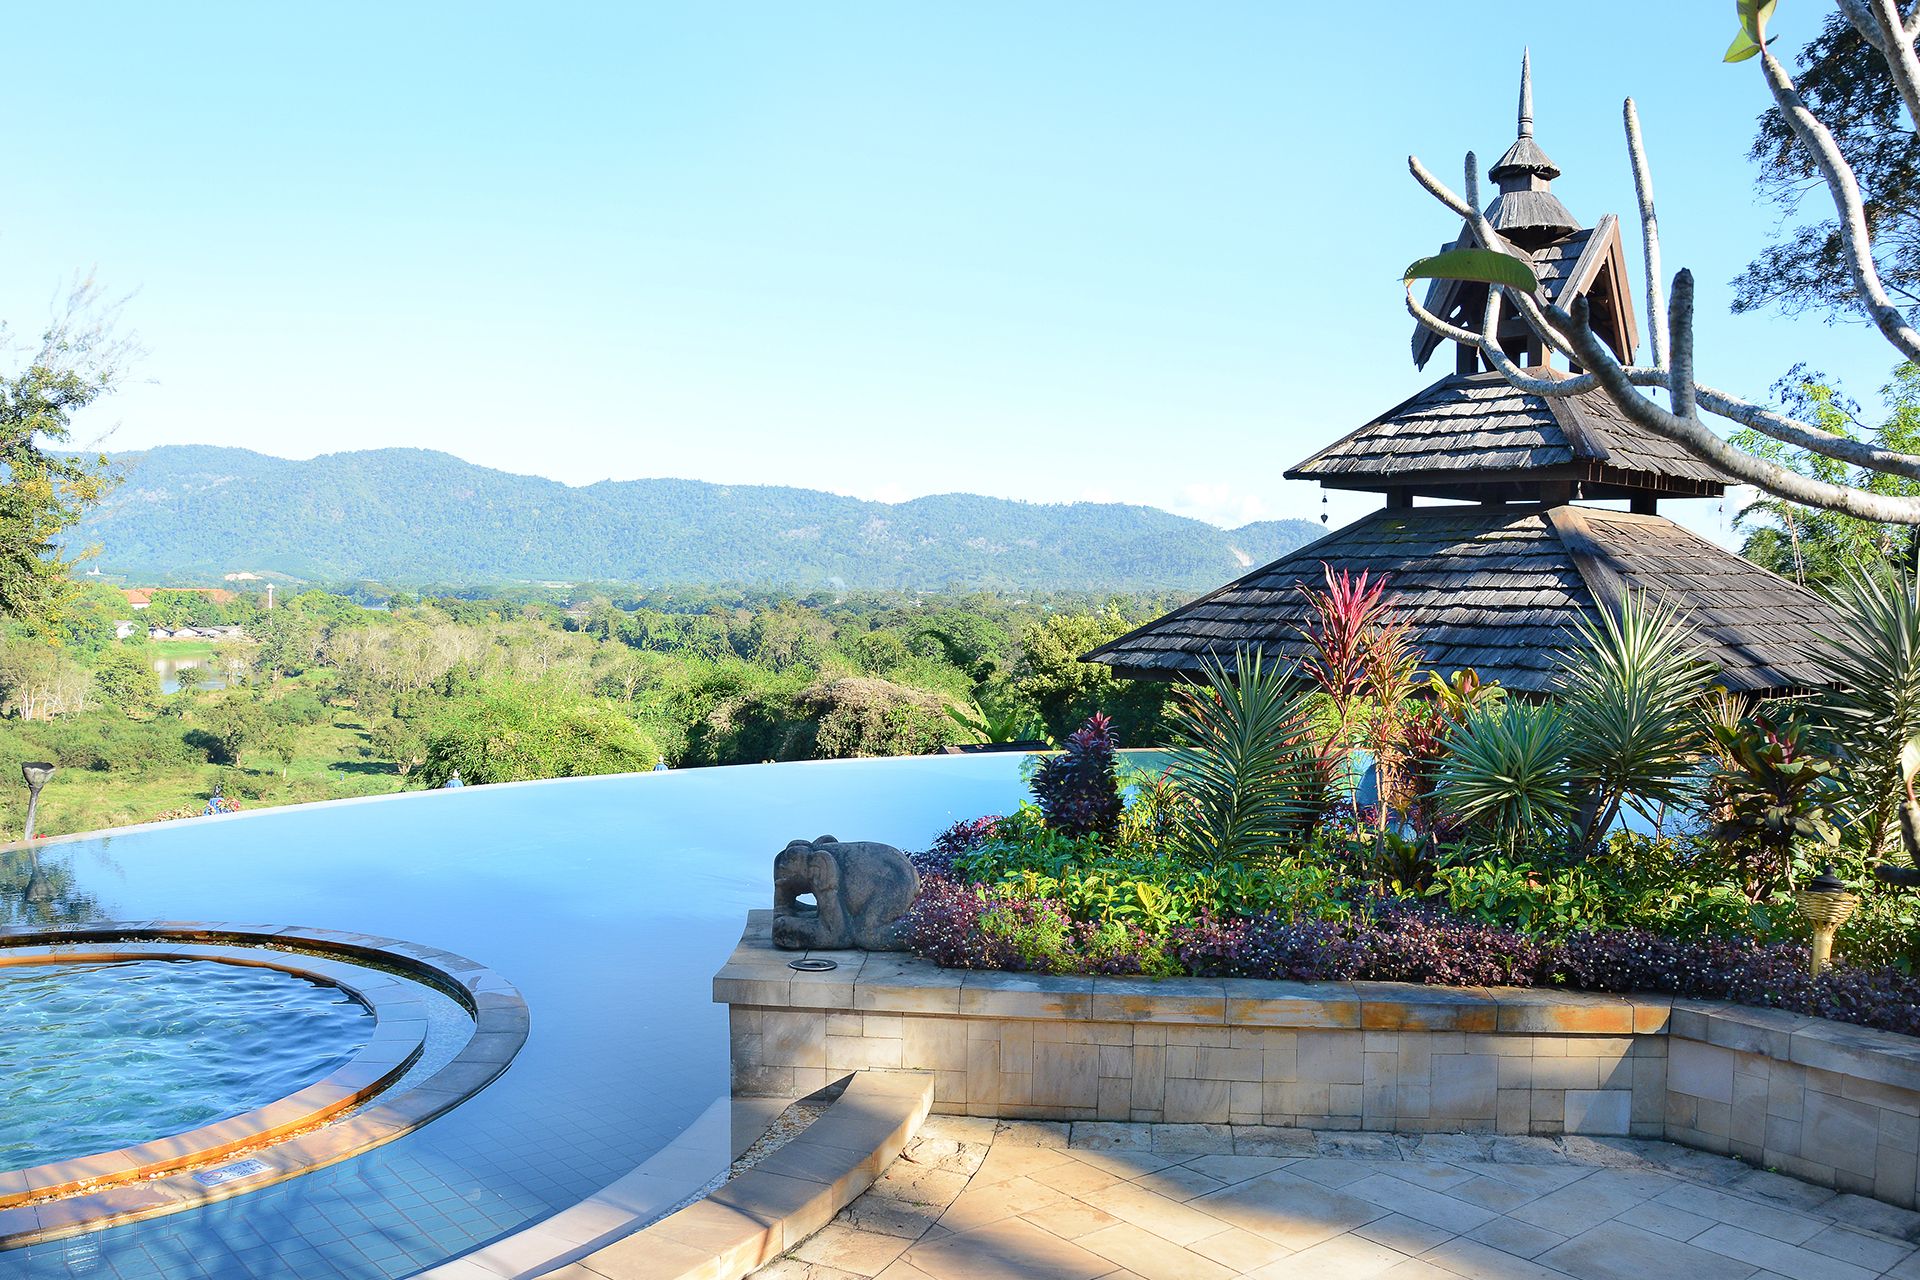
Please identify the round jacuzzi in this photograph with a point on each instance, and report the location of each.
(153, 1068)
(115, 1053)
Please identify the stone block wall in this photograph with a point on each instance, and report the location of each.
(1831, 1103)
(1827, 1102)
(1407, 1081)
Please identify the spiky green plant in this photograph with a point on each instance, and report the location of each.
(1506, 769)
(1874, 654)
(1631, 689)
(1243, 761)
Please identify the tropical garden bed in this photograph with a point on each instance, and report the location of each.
(1644, 830)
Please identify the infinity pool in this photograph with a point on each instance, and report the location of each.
(103, 1056)
(609, 902)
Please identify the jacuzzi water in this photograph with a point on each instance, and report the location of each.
(108, 1055)
(609, 902)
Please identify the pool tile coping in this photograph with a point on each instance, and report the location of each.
(300, 1133)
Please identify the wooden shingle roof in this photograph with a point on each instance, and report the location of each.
(1496, 589)
(1467, 430)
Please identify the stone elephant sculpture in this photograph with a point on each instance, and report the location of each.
(860, 890)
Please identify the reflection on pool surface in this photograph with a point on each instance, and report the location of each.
(609, 902)
(108, 1055)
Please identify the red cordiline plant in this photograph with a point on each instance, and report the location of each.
(1361, 656)
(1077, 790)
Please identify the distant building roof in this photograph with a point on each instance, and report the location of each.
(1496, 589)
(141, 597)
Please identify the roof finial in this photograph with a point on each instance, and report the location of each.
(1526, 93)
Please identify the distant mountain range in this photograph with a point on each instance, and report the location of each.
(414, 517)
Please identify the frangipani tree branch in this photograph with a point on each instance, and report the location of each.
(1855, 238)
(1703, 442)
(1719, 403)
(1649, 234)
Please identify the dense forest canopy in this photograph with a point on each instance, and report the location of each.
(324, 696)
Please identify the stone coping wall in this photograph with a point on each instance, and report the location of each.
(1831, 1103)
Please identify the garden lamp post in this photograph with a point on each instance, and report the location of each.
(36, 772)
(1825, 905)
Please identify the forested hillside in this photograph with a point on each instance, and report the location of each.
(413, 517)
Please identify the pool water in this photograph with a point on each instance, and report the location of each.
(609, 902)
(108, 1055)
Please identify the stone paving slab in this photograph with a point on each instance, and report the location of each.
(972, 1198)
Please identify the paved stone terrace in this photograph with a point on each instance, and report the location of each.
(979, 1199)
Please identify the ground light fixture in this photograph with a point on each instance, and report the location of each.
(1825, 905)
(36, 772)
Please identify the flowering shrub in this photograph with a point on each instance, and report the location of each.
(963, 837)
(959, 922)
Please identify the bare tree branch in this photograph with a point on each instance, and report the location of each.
(1649, 235)
(1895, 45)
(1671, 328)
(1702, 442)
(1854, 235)
(1680, 378)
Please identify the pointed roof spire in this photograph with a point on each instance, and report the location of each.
(1526, 93)
(1525, 175)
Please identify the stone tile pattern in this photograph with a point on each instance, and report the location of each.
(1835, 1104)
(974, 1198)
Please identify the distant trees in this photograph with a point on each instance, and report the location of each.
(1811, 545)
(234, 719)
(1049, 676)
(329, 698)
(1843, 80)
(39, 681)
(124, 678)
(862, 716)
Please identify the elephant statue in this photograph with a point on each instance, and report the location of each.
(860, 890)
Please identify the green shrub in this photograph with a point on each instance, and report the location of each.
(513, 732)
(863, 716)
(1631, 882)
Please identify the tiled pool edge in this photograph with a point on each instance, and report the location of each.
(501, 1024)
(398, 1036)
(663, 1181)
(779, 1202)
(1830, 1103)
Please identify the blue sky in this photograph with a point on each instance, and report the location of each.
(1127, 251)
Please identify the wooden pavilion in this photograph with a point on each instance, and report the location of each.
(1493, 579)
